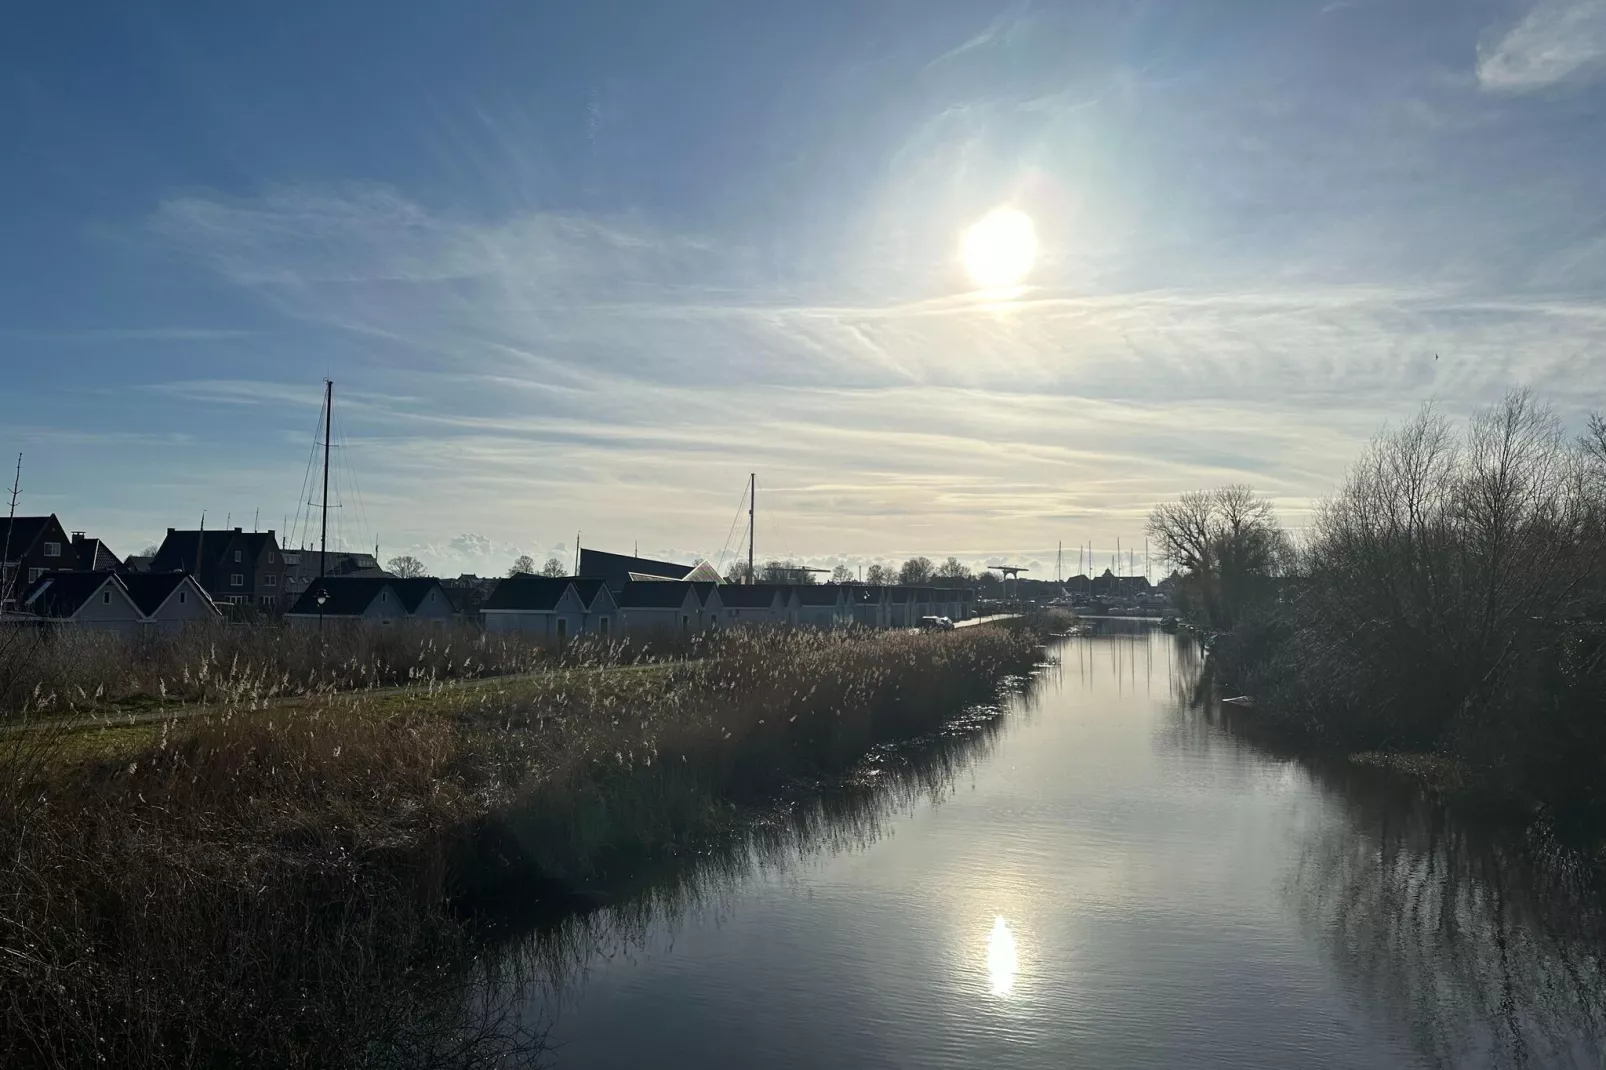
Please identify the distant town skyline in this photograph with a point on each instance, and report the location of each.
(585, 268)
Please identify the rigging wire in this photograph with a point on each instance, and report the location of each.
(302, 501)
(723, 550)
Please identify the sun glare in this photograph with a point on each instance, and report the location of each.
(999, 248)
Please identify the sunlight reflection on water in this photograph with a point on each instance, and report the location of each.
(1002, 961)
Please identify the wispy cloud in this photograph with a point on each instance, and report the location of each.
(1556, 41)
(118, 335)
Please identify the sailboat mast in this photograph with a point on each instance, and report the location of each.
(752, 505)
(328, 422)
(9, 580)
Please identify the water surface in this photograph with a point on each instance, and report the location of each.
(1105, 876)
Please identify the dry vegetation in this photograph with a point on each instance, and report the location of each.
(1449, 601)
(285, 884)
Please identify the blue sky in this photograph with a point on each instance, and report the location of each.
(584, 269)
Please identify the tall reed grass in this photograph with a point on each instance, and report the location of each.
(287, 886)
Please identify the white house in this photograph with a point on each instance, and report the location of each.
(169, 601)
(661, 605)
(868, 605)
(535, 605)
(822, 605)
(348, 599)
(713, 605)
(85, 599)
(756, 604)
(423, 598)
(601, 608)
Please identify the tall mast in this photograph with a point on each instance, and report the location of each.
(752, 493)
(328, 422)
(7, 581)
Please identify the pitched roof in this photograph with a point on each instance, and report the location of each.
(901, 594)
(540, 593)
(703, 573)
(590, 591)
(615, 569)
(179, 548)
(150, 589)
(414, 590)
(61, 594)
(818, 594)
(94, 555)
(752, 595)
(349, 596)
(23, 532)
(657, 594)
(863, 595)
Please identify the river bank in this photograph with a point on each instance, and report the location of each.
(301, 885)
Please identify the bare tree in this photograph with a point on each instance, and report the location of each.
(553, 567)
(787, 571)
(1227, 544)
(953, 569)
(523, 565)
(842, 574)
(916, 571)
(880, 576)
(406, 566)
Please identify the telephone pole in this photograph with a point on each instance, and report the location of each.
(752, 510)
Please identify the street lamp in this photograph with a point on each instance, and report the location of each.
(321, 597)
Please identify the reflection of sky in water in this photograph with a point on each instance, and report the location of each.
(1116, 882)
(1001, 959)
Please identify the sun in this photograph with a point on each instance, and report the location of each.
(999, 248)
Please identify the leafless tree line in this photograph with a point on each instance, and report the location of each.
(1451, 595)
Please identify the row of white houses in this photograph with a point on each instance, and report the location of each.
(555, 607)
(111, 601)
(562, 607)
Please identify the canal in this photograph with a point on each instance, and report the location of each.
(1101, 874)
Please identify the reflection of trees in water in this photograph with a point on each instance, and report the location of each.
(546, 962)
(1488, 947)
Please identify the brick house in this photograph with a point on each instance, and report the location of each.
(31, 546)
(235, 567)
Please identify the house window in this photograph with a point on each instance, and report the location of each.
(181, 597)
(105, 598)
(270, 581)
(563, 628)
(602, 625)
(35, 573)
(236, 580)
(384, 596)
(685, 621)
(236, 557)
(270, 557)
(52, 549)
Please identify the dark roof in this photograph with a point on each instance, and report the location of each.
(615, 569)
(24, 531)
(60, 594)
(150, 589)
(704, 589)
(528, 592)
(178, 549)
(349, 596)
(657, 594)
(94, 555)
(589, 590)
(862, 595)
(901, 594)
(414, 590)
(818, 594)
(752, 595)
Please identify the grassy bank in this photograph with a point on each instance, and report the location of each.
(286, 886)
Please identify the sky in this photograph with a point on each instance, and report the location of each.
(582, 268)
